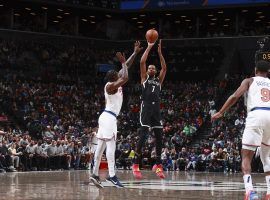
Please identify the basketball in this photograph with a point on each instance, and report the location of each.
(151, 35)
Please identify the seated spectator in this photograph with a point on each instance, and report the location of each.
(59, 156)
(5, 158)
(51, 150)
(203, 161)
(192, 160)
(15, 159)
(174, 157)
(29, 153)
(183, 159)
(40, 156)
(222, 159)
(214, 165)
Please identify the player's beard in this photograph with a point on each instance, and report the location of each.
(152, 75)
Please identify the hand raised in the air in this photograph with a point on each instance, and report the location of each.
(121, 57)
(137, 47)
(159, 47)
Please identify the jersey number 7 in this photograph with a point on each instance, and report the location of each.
(153, 88)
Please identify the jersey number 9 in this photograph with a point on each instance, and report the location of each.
(265, 94)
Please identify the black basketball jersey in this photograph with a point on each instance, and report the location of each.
(151, 89)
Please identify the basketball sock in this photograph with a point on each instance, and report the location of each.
(267, 178)
(158, 135)
(137, 158)
(248, 182)
(110, 154)
(143, 134)
(98, 154)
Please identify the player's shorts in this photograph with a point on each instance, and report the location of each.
(150, 115)
(257, 130)
(107, 126)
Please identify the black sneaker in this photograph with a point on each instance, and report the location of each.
(114, 180)
(96, 180)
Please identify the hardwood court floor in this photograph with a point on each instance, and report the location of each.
(67, 185)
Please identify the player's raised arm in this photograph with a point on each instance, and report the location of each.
(137, 49)
(130, 60)
(143, 61)
(233, 98)
(120, 80)
(163, 64)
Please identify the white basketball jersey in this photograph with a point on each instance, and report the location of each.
(114, 101)
(258, 94)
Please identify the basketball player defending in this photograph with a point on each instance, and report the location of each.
(150, 116)
(257, 129)
(107, 121)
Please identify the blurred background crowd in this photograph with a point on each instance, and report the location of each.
(49, 115)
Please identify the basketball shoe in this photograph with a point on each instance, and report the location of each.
(158, 169)
(136, 171)
(96, 180)
(114, 180)
(251, 195)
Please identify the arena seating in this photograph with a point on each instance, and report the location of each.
(57, 104)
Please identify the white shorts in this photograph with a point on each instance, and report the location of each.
(107, 126)
(257, 130)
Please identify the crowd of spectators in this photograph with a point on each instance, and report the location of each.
(62, 114)
(53, 114)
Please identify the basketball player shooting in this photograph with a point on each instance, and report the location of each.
(257, 128)
(107, 131)
(150, 116)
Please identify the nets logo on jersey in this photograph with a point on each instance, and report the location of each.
(153, 82)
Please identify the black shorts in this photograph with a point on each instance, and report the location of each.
(150, 115)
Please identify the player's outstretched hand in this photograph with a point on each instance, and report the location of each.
(137, 47)
(121, 57)
(216, 116)
(159, 47)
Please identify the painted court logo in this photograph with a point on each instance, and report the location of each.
(190, 185)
